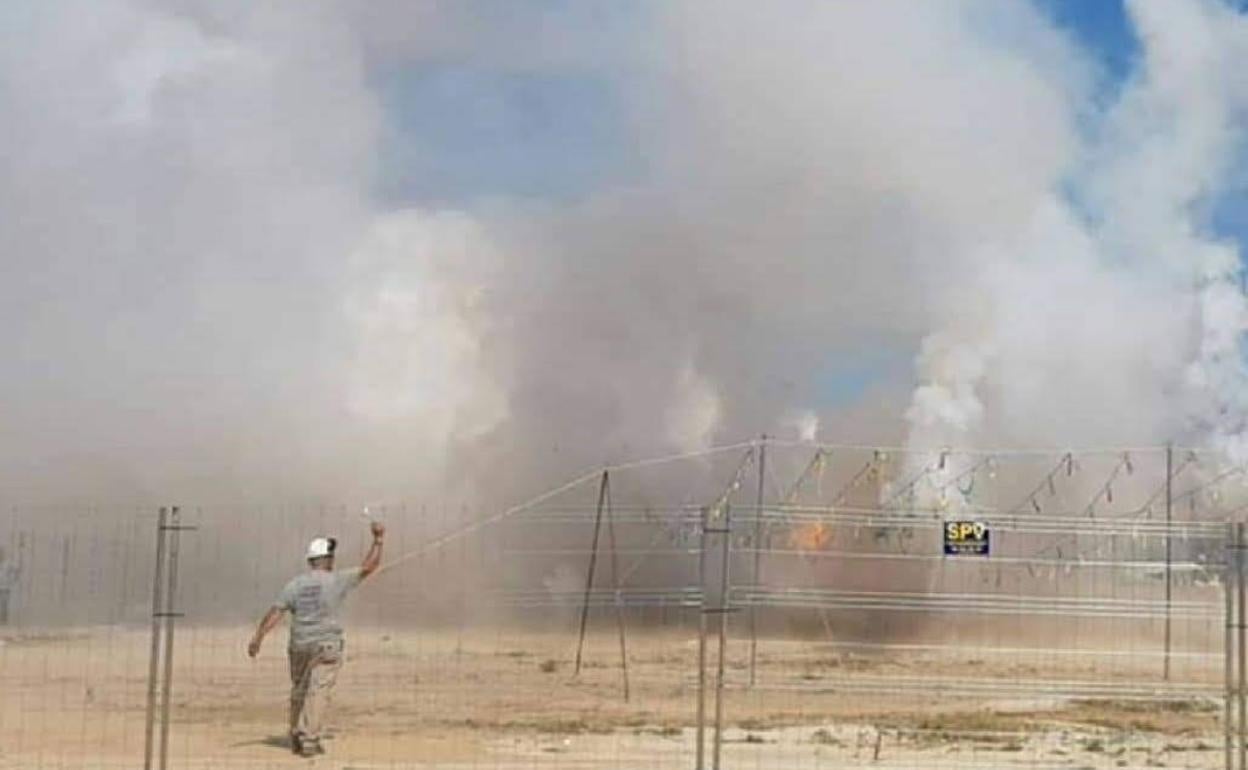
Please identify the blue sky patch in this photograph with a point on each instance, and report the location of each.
(1101, 28)
(459, 132)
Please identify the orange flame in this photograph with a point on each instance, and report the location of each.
(811, 537)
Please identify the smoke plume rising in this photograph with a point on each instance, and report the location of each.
(208, 292)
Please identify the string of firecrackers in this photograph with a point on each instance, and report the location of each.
(908, 488)
(821, 532)
(870, 469)
(880, 456)
(661, 531)
(779, 489)
(1067, 463)
(747, 460)
(1189, 460)
(997, 452)
(988, 464)
(1107, 489)
(816, 466)
(795, 532)
(1215, 496)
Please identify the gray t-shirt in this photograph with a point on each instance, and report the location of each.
(313, 600)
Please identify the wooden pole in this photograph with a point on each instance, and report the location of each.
(589, 578)
(615, 580)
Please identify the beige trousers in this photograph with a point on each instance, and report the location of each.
(313, 671)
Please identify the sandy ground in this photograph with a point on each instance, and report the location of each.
(508, 699)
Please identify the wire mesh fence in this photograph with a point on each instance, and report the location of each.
(767, 605)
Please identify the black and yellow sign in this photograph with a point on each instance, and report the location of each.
(966, 538)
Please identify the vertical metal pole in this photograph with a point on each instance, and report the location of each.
(1228, 663)
(1239, 642)
(153, 663)
(758, 556)
(589, 579)
(462, 581)
(65, 552)
(1169, 553)
(701, 730)
(725, 556)
(615, 580)
(170, 617)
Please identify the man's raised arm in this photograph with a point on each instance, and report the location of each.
(372, 560)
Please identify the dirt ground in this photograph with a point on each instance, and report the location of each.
(509, 699)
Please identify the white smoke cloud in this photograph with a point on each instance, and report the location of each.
(1114, 315)
(203, 295)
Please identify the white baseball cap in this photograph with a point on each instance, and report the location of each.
(321, 547)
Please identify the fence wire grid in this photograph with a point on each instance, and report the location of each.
(766, 605)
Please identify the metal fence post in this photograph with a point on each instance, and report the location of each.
(702, 610)
(725, 534)
(170, 618)
(1169, 554)
(153, 665)
(758, 556)
(1228, 651)
(1239, 641)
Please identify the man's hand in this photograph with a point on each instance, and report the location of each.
(372, 560)
(267, 623)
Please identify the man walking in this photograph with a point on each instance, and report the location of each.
(315, 649)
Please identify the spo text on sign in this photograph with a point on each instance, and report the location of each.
(966, 538)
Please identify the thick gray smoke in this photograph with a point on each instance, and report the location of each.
(204, 294)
